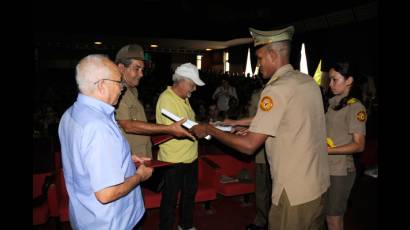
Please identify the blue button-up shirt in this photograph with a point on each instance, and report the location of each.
(95, 156)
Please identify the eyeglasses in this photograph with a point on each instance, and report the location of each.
(121, 82)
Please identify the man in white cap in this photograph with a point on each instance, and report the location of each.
(290, 122)
(181, 176)
(130, 112)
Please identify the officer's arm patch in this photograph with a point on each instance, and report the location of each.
(361, 116)
(266, 103)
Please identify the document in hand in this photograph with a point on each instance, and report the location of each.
(159, 139)
(154, 163)
(187, 124)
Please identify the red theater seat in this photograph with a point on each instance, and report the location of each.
(207, 186)
(207, 182)
(151, 199)
(44, 195)
(62, 196)
(231, 166)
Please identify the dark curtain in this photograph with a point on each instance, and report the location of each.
(356, 42)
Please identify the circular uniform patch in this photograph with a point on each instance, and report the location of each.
(266, 103)
(361, 116)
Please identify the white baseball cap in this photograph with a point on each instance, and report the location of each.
(189, 71)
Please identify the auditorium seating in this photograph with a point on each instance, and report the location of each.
(207, 187)
(231, 166)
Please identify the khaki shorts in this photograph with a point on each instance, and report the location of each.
(309, 216)
(338, 194)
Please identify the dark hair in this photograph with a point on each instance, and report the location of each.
(347, 69)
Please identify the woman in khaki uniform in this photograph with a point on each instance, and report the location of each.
(346, 129)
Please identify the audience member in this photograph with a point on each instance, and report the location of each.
(223, 94)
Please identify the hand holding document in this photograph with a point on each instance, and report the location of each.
(187, 124)
(221, 126)
(138, 159)
(153, 163)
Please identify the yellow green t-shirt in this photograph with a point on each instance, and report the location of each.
(175, 150)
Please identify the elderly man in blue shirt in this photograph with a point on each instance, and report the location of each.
(101, 179)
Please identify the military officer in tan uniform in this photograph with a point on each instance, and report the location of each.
(346, 127)
(130, 113)
(290, 121)
(263, 181)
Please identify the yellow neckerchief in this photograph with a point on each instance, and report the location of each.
(352, 101)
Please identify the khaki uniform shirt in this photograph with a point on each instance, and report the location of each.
(130, 108)
(340, 126)
(253, 107)
(175, 150)
(290, 113)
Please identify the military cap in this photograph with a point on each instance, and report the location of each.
(130, 51)
(264, 37)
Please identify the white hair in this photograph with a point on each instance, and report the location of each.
(89, 70)
(177, 77)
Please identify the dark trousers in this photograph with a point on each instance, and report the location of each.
(263, 194)
(184, 178)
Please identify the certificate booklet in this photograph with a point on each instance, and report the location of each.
(159, 139)
(189, 123)
(154, 163)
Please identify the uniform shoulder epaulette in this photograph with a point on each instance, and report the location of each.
(272, 80)
(352, 101)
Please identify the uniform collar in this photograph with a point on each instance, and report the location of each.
(336, 99)
(133, 90)
(280, 72)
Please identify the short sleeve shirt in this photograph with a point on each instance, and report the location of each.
(290, 113)
(95, 155)
(176, 150)
(260, 157)
(130, 108)
(341, 125)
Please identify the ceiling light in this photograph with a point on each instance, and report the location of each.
(98, 43)
(154, 46)
(208, 49)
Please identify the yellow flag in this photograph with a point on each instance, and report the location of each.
(318, 73)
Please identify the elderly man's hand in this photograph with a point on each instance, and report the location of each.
(200, 130)
(179, 131)
(138, 159)
(144, 172)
